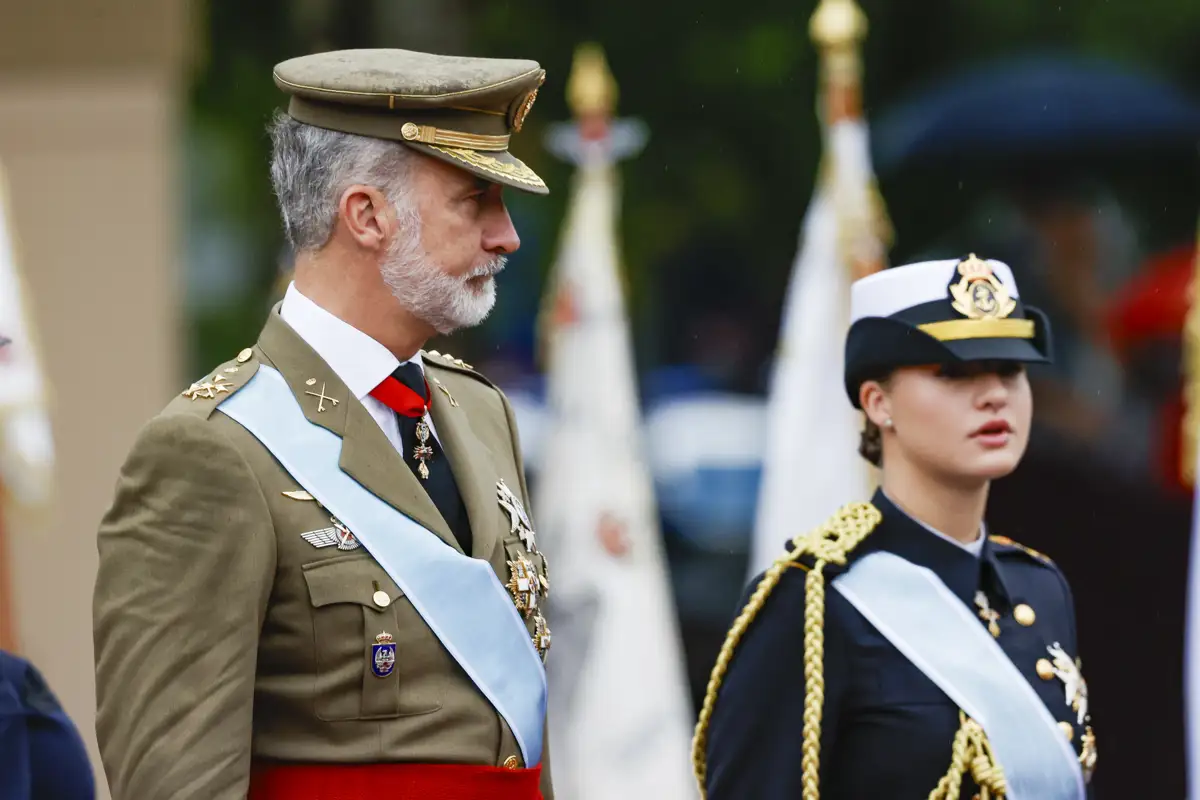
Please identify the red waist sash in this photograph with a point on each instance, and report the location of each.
(393, 782)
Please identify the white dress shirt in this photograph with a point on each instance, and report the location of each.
(361, 362)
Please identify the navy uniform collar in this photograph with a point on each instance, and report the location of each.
(963, 572)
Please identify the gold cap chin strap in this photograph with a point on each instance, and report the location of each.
(428, 134)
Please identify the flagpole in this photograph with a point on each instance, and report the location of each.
(811, 464)
(838, 29)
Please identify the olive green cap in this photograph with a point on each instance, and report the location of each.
(460, 110)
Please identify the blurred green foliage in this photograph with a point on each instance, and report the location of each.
(712, 207)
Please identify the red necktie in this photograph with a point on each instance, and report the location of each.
(401, 399)
(401, 392)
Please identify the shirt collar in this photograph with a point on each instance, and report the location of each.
(361, 362)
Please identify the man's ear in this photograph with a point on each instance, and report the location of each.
(367, 216)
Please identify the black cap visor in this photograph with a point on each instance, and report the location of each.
(877, 345)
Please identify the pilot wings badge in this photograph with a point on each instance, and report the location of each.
(339, 535)
(518, 520)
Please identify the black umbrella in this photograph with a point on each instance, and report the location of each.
(1036, 106)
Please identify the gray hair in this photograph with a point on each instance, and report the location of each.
(311, 167)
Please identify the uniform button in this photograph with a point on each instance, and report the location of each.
(1024, 615)
(1045, 669)
(381, 599)
(245, 356)
(512, 762)
(1067, 729)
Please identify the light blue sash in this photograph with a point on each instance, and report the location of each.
(460, 598)
(934, 630)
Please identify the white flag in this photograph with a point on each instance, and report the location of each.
(811, 466)
(1191, 671)
(26, 446)
(620, 716)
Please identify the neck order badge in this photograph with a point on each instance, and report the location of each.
(394, 394)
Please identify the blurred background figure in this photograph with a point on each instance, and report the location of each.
(41, 752)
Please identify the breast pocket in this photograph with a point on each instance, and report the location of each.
(375, 657)
(892, 681)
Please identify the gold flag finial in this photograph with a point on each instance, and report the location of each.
(591, 88)
(837, 25)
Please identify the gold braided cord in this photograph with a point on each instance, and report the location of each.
(814, 680)
(828, 544)
(972, 752)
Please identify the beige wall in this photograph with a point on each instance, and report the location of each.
(88, 138)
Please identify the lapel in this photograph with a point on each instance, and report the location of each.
(367, 455)
(994, 571)
(470, 461)
(904, 536)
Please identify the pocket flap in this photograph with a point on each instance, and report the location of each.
(352, 579)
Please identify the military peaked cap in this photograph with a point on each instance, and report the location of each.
(460, 110)
(939, 312)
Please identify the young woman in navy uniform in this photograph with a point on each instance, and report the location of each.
(899, 651)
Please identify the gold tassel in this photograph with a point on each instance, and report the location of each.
(971, 754)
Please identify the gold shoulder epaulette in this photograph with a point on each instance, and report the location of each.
(224, 380)
(1029, 551)
(446, 359)
(831, 543)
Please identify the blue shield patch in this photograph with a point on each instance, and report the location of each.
(383, 655)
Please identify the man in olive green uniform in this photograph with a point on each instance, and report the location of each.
(317, 578)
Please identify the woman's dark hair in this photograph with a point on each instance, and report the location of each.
(870, 441)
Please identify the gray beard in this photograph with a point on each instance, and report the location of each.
(446, 303)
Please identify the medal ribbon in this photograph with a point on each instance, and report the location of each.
(401, 399)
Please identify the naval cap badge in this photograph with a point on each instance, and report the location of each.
(978, 293)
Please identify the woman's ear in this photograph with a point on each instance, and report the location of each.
(875, 402)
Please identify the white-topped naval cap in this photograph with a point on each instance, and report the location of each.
(891, 291)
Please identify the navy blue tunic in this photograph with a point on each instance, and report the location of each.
(887, 729)
(42, 756)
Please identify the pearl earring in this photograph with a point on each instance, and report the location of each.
(887, 423)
